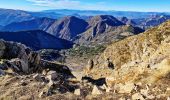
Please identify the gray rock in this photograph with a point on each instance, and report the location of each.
(2, 49)
(96, 90)
(90, 64)
(2, 73)
(52, 75)
(37, 77)
(42, 94)
(20, 65)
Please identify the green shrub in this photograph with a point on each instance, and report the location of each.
(84, 51)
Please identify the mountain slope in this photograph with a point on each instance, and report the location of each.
(151, 21)
(128, 14)
(127, 21)
(144, 57)
(106, 19)
(105, 29)
(36, 39)
(9, 16)
(155, 20)
(35, 24)
(68, 27)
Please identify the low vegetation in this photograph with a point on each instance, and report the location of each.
(84, 51)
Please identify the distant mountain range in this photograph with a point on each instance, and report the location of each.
(104, 29)
(36, 40)
(128, 14)
(101, 28)
(152, 21)
(35, 24)
(10, 15)
(59, 29)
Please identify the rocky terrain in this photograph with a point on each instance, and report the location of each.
(135, 68)
(142, 59)
(84, 55)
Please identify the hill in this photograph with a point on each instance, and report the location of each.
(104, 29)
(9, 16)
(35, 24)
(68, 27)
(36, 40)
(142, 55)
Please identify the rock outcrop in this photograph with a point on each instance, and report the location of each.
(20, 62)
(19, 57)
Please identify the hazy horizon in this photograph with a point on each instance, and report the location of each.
(87, 10)
(107, 5)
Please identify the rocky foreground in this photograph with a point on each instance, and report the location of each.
(136, 68)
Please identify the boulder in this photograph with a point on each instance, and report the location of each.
(96, 90)
(89, 67)
(104, 87)
(110, 81)
(146, 93)
(2, 73)
(37, 77)
(42, 94)
(138, 96)
(23, 83)
(51, 83)
(46, 65)
(34, 61)
(77, 92)
(127, 88)
(21, 65)
(52, 75)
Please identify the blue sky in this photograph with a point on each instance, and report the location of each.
(121, 5)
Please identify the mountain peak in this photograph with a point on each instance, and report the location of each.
(68, 27)
(108, 19)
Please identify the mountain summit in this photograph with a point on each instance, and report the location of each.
(68, 27)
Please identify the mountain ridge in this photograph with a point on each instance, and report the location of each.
(35, 24)
(36, 39)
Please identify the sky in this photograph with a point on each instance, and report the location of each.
(119, 5)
